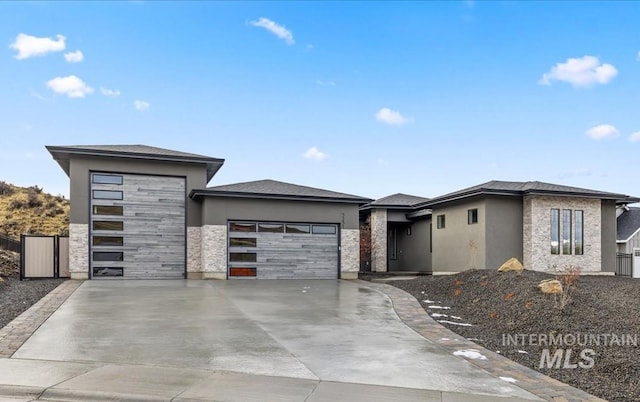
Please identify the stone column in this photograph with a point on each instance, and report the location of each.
(378, 223)
(349, 253)
(79, 251)
(214, 252)
(194, 252)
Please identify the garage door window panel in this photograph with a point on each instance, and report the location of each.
(107, 271)
(108, 256)
(324, 229)
(242, 257)
(242, 271)
(108, 225)
(291, 228)
(242, 242)
(108, 240)
(271, 227)
(107, 195)
(106, 179)
(115, 210)
(242, 227)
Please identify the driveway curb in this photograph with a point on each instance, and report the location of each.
(414, 316)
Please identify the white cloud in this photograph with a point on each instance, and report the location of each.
(579, 172)
(71, 86)
(74, 57)
(326, 83)
(392, 117)
(315, 154)
(635, 137)
(603, 131)
(580, 72)
(113, 93)
(276, 29)
(29, 46)
(141, 105)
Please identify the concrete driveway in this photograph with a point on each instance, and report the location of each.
(327, 331)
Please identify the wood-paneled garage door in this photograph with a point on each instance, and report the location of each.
(273, 250)
(137, 227)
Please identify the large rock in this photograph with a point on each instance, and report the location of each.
(552, 286)
(512, 264)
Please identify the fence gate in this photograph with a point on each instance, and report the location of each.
(44, 257)
(624, 263)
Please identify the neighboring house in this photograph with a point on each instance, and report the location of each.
(543, 225)
(628, 230)
(145, 212)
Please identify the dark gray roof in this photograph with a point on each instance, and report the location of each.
(62, 154)
(396, 201)
(628, 224)
(272, 189)
(516, 188)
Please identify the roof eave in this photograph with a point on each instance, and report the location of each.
(199, 194)
(461, 196)
(63, 154)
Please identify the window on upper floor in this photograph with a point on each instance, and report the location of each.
(472, 216)
(441, 222)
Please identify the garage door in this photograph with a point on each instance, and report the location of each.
(137, 226)
(274, 250)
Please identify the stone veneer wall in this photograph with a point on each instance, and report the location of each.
(537, 233)
(378, 223)
(349, 253)
(79, 251)
(214, 252)
(194, 249)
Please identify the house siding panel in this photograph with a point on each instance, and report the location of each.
(459, 246)
(503, 230)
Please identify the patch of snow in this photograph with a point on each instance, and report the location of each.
(439, 315)
(524, 352)
(470, 354)
(422, 292)
(445, 339)
(304, 291)
(474, 339)
(461, 324)
(455, 317)
(439, 307)
(509, 379)
(497, 351)
(429, 301)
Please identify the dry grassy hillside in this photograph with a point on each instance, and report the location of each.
(29, 210)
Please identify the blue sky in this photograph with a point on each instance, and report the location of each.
(366, 98)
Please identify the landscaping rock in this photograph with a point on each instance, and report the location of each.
(552, 286)
(512, 264)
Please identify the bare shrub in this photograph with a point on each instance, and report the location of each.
(33, 201)
(568, 276)
(6, 188)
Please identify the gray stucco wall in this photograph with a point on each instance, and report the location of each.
(503, 230)
(79, 168)
(608, 227)
(452, 250)
(413, 250)
(216, 211)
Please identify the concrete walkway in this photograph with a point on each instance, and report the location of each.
(237, 340)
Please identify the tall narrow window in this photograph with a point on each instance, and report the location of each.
(393, 244)
(555, 231)
(578, 239)
(566, 231)
(441, 222)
